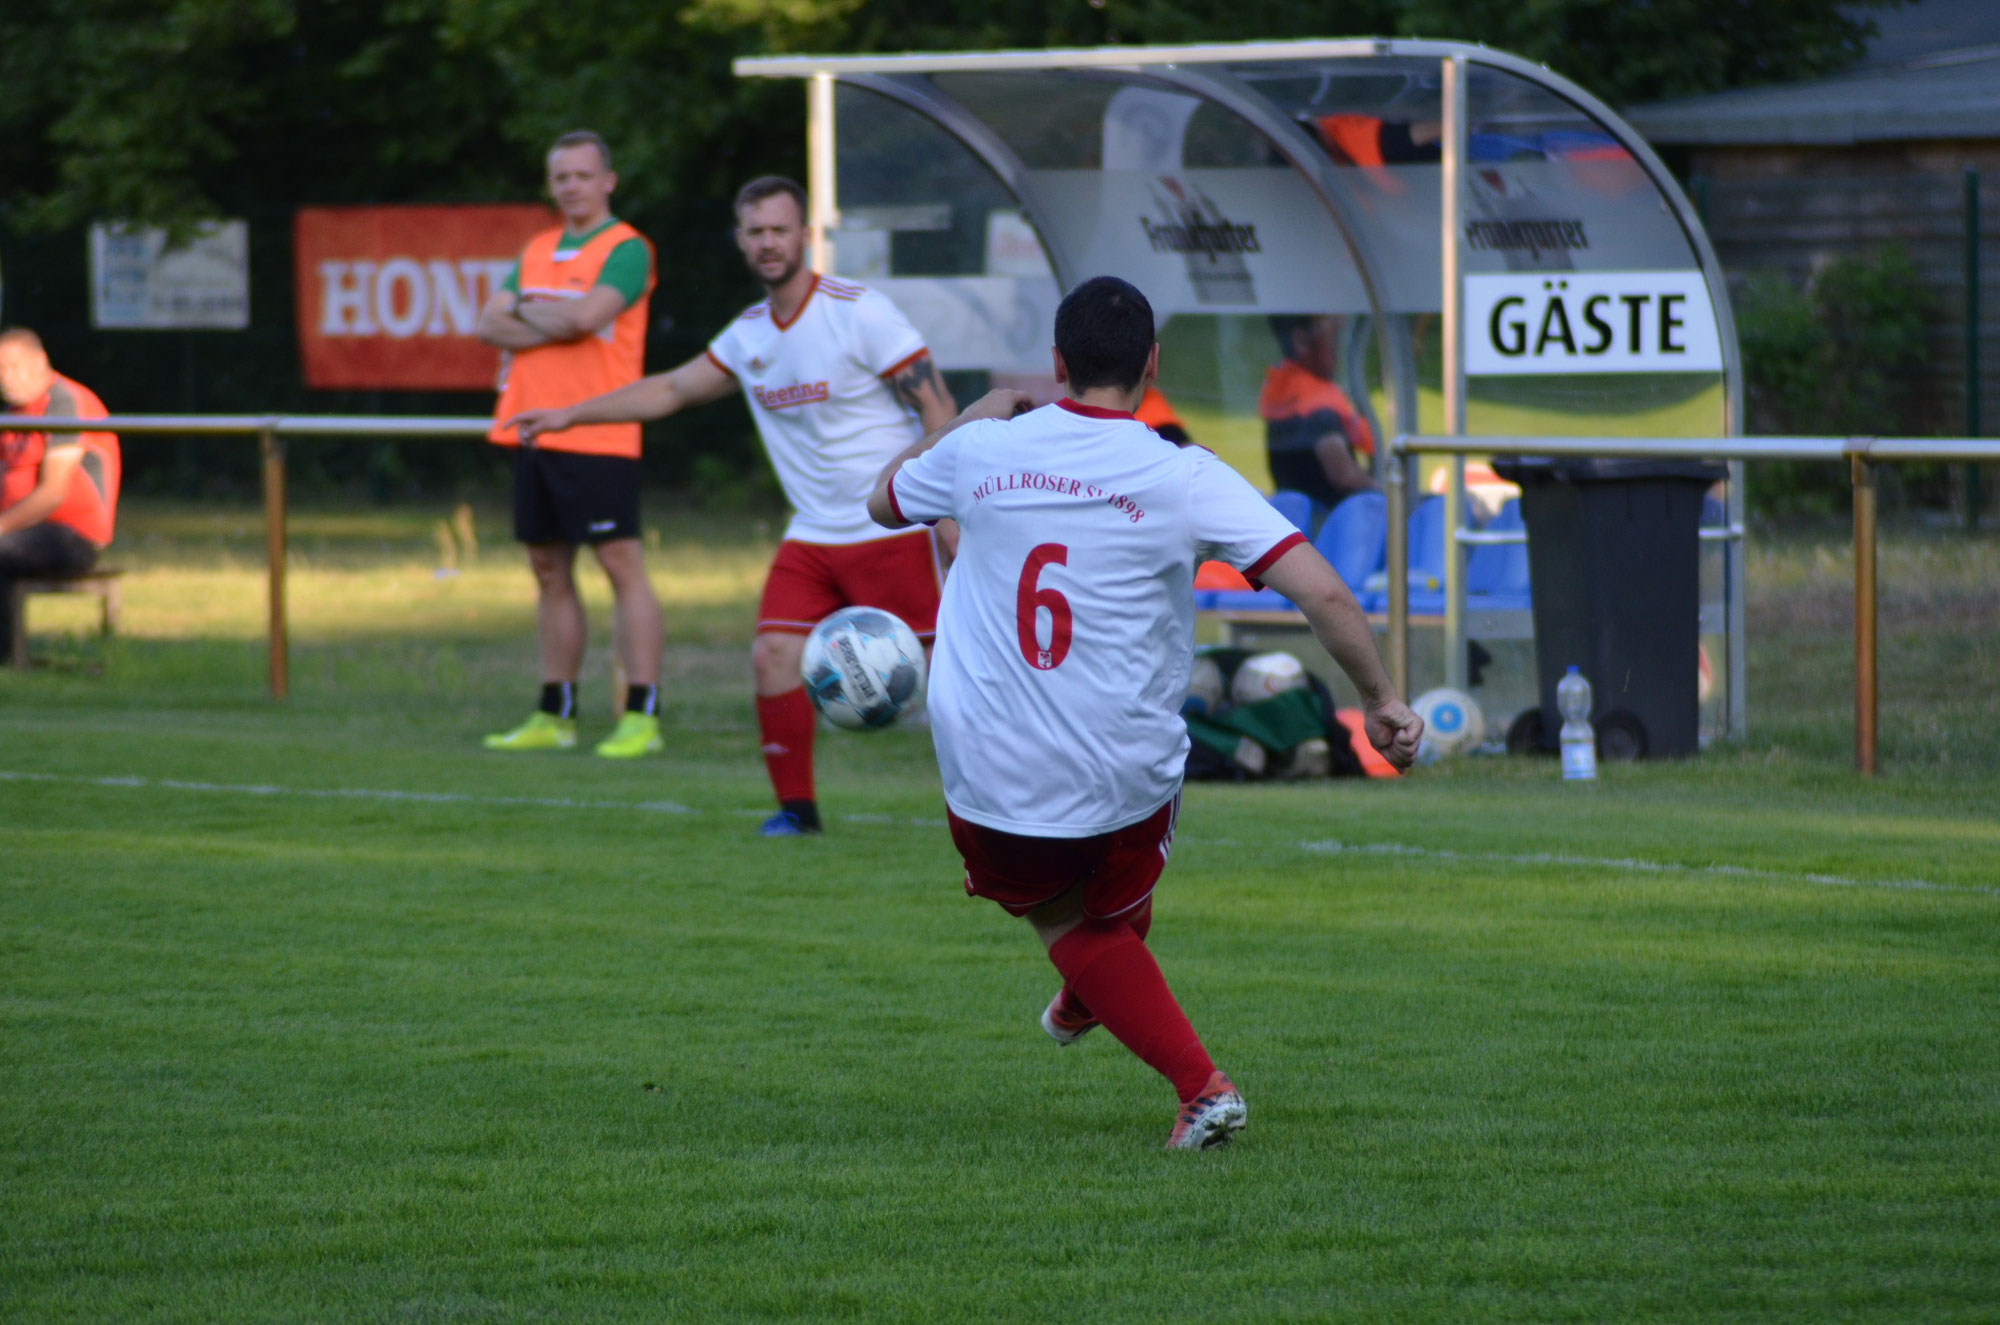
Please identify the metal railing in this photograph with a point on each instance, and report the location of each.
(270, 430)
(1863, 455)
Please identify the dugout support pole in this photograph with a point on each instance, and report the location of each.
(273, 449)
(1452, 199)
(822, 200)
(1865, 687)
(1396, 495)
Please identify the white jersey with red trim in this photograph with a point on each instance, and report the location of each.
(817, 386)
(1067, 628)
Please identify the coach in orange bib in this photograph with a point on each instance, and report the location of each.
(571, 321)
(58, 490)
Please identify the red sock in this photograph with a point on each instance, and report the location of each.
(786, 724)
(1105, 963)
(1141, 924)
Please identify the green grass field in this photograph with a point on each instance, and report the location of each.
(316, 1011)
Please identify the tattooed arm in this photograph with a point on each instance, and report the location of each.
(921, 387)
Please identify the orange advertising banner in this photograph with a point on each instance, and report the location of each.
(387, 297)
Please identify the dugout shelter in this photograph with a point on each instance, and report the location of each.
(1501, 253)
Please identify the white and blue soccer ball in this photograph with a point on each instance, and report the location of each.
(1205, 689)
(1453, 723)
(863, 668)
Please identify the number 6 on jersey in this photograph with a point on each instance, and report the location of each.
(1028, 597)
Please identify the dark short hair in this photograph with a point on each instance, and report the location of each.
(1284, 324)
(583, 138)
(1104, 331)
(770, 186)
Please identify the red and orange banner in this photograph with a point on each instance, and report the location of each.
(387, 297)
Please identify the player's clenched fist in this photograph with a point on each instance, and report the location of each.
(534, 422)
(1395, 731)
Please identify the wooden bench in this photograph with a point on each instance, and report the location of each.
(101, 582)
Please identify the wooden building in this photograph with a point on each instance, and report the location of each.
(1792, 176)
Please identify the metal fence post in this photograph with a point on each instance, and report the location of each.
(1972, 340)
(1395, 483)
(277, 644)
(1864, 607)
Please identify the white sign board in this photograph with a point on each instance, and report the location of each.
(1248, 240)
(138, 283)
(1589, 322)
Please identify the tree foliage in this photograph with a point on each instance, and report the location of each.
(169, 111)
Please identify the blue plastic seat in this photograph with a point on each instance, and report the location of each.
(1354, 536)
(1496, 574)
(1296, 507)
(1427, 544)
(1426, 562)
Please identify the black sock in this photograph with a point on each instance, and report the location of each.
(559, 698)
(643, 699)
(806, 812)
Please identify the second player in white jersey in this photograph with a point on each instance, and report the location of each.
(1081, 531)
(838, 382)
(818, 387)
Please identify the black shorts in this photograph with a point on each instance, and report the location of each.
(565, 497)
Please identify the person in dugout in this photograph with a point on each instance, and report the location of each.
(1313, 435)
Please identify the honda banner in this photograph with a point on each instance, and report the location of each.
(389, 296)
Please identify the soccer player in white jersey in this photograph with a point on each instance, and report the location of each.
(1063, 650)
(838, 381)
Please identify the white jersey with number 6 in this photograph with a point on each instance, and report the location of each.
(817, 387)
(1067, 628)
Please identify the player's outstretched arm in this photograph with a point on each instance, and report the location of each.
(998, 404)
(1303, 576)
(695, 382)
(921, 387)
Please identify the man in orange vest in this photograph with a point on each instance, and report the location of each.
(571, 322)
(1313, 435)
(58, 490)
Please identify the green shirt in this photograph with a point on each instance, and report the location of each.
(626, 270)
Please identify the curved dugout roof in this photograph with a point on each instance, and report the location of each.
(1306, 178)
(1234, 183)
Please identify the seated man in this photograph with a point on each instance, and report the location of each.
(1312, 433)
(58, 490)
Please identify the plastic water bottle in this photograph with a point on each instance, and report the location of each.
(1579, 742)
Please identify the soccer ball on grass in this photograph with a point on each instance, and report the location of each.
(1453, 723)
(863, 668)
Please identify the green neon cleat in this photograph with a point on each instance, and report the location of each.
(542, 731)
(636, 734)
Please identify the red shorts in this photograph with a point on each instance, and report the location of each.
(808, 581)
(1116, 870)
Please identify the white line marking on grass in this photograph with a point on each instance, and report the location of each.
(1332, 846)
(1321, 846)
(354, 793)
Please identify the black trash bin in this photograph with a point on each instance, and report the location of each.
(1614, 567)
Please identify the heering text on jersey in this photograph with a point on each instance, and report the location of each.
(784, 397)
(1061, 486)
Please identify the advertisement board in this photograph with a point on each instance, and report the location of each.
(139, 282)
(388, 297)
